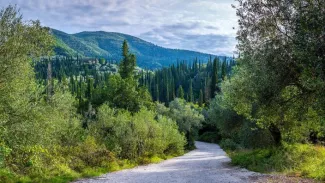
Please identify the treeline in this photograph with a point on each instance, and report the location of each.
(195, 82)
(274, 102)
(66, 121)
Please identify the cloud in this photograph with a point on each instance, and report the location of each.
(192, 36)
(200, 25)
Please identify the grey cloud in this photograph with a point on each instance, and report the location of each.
(200, 25)
(185, 36)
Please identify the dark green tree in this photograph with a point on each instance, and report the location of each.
(180, 92)
(128, 64)
(214, 80)
(224, 70)
(201, 98)
(190, 93)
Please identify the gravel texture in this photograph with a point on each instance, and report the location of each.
(207, 164)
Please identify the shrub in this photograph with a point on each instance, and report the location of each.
(139, 135)
(229, 144)
(188, 119)
(298, 159)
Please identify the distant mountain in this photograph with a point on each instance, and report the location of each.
(108, 45)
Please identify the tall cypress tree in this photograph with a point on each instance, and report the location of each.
(224, 70)
(167, 93)
(214, 80)
(201, 98)
(127, 65)
(157, 92)
(90, 88)
(180, 92)
(190, 93)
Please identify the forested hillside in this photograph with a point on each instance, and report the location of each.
(196, 82)
(107, 45)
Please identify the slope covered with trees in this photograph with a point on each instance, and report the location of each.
(51, 128)
(195, 82)
(107, 45)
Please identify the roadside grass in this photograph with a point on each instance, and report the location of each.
(8, 176)
(299, 160)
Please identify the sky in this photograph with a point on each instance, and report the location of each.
(207, 26)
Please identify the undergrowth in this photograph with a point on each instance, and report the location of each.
(301, 160)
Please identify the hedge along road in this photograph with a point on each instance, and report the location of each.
(208, 163)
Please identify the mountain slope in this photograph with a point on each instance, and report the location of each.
(108, 45)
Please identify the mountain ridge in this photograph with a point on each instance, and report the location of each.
(108, 45)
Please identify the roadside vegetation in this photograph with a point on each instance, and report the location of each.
(55, 130)
(269, 115)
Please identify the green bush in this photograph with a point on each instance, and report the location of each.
(139, 135)
(229, 144)
(187, 116)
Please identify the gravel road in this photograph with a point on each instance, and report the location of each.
(207, 164)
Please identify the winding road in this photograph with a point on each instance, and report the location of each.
(207, 164)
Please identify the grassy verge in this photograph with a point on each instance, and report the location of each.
(8, 176)
(299, 160)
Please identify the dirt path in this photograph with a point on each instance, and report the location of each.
(207, 164)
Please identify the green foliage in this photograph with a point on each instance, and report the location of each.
(125, 94)
(278, 82)
(188, 118)
(139, 135)
(186, 80)
(297, 159)
(230, 125)
(214, 80)
(229, 144)
(127, 65)
(180, 92)
(43, 140)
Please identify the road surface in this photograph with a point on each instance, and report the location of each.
(207, 164)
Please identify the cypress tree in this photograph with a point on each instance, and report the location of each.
(127, 65)
(214, 80)
(167, 93)
(90, 88)
(224, 70)
(157, 92)
(201, 98)
(191, 92)
(180, 93)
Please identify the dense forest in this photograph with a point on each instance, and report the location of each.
(64, 117)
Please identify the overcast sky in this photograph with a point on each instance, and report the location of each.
(199, 25)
